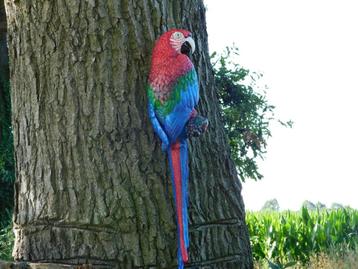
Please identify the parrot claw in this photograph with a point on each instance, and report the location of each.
(196, 126)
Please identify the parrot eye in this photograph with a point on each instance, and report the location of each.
(177, 35)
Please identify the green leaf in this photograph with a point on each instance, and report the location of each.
(245, 110)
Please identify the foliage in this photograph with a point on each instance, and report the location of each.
(7, 174)
(6, 237)
(336, 206)
(283, 237)
(245, 111)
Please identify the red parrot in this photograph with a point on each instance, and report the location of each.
(173, 93)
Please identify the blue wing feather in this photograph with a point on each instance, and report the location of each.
(170, 125)
(158, 129)
(175, 121)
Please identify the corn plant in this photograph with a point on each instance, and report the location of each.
(284, 237)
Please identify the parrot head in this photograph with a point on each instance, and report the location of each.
(170, 60)
(173, 43)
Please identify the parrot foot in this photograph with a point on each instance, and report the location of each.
(196, 126)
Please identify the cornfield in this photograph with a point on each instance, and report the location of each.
(287, 238)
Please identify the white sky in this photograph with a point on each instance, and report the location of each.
(308, 53)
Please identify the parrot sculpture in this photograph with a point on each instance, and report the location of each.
(173, 93)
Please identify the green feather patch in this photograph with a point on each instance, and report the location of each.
(182, 84)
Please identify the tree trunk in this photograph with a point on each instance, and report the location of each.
(92, 185)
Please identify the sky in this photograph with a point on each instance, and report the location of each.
(307, 51)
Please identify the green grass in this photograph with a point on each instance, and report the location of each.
(284, 237)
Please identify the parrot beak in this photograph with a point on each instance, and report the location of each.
(188, 47)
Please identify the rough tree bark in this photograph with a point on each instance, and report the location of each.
(92, 185)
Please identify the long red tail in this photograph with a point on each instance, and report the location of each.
(179, 165)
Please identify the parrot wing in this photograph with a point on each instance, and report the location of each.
(158, 129)
(174, 113)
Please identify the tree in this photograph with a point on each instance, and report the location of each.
(245, 110)
(320, 206)
(312, 206)
(91, 181)
(271, 205)
(309, 205)
(336, 206)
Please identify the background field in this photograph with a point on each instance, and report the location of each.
(305, 238)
